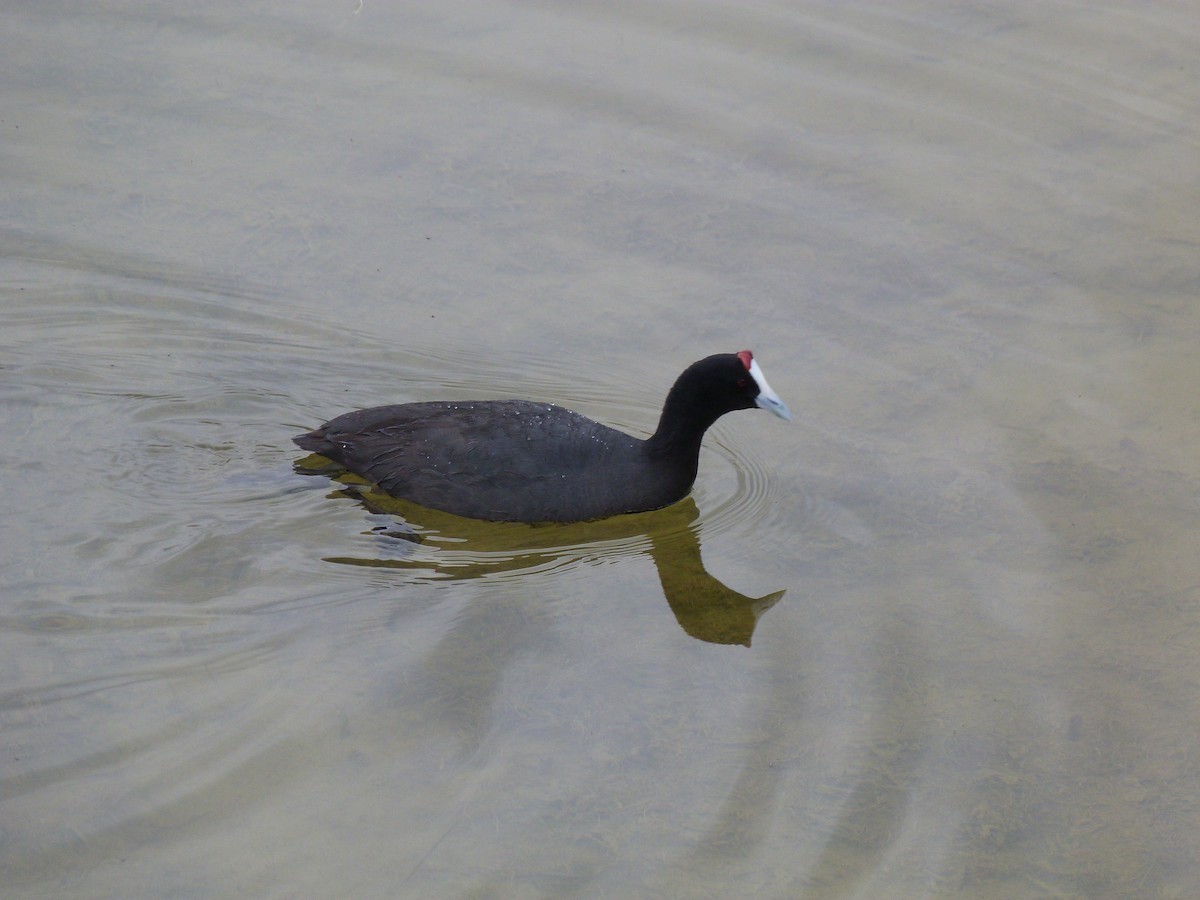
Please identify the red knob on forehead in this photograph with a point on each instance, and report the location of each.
(746, 357)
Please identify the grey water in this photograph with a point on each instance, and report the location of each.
(938, 637)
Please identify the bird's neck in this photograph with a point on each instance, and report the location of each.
(682, 425)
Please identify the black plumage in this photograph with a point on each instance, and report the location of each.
(516, 460)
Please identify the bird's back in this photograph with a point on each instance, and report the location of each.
(504, 460)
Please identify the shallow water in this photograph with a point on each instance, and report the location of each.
(936, 638)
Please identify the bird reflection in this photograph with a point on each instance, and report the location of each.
(705, 608)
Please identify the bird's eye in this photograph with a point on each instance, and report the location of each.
(741, 382)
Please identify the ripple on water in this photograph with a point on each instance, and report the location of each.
(168, 544)
(168, 393)
(734, 491)
(734, 487)
(166, 410)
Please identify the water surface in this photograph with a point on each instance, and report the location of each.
(936, 638)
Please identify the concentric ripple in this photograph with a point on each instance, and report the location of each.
(183, 393)
(733, 491)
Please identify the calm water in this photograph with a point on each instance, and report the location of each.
(936, 638)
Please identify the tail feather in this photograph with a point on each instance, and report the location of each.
(314, 441)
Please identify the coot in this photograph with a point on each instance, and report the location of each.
(519, 461)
